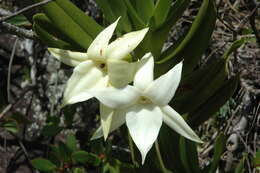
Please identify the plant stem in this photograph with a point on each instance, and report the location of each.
(159, 156)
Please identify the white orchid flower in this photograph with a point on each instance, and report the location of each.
(101, 65)
(143, 106)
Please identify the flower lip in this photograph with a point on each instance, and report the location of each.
(144, 100)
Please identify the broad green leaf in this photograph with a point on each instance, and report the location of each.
(145, 9)
(113, 9)
(89, 25)
(85, 157)
(156, 37)
(71, 143)
(49, 39)
(161, 11)
(168, 139)
(66, 24)
(198, 93)
(137, 21)
(19, 20)
(207, 109)
(219, 148)
(189, 155)
(196, 41)
(47, 32)
(79, 170)
(43, 165)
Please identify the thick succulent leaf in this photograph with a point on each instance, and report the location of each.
(145, 9)
(66, 24)
(162, 90)
(51, 40)
(210, 106)
(50, 35)
(159, 34)
(198, 92)
(88, 24)
(137, 20)
(174, 120)
(144, 122)
(171, 155)
(68, 57)
(189, 155)
(161, 12)
(200, 31)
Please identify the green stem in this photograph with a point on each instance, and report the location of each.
(159, 156)
(131, 145)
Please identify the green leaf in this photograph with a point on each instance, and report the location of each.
(49, 39)
(207, 109)
(196, 41)
(145, 9)
(256, 159)
(66, 24)
(71, 143)
(236, 44)
(241, 166)
(161, 11)
(69, 112)
(197, 93)
(10, 125)
(137, 21)
(159, 34)
(89, 25)
(168, 139)
(43, 165)
(219, 148)
(19, 20)
(46, 26)
(51, 130)
(189, 155)
(85, 157)
(64, 152)
(79, 170)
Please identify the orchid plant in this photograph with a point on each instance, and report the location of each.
(123, 82)
(102, 73)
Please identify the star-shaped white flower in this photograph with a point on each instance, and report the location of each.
(102, 64)
(143, 106)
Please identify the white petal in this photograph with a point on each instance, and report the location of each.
(106, 115)
(97, 49)
(85, 76)
(122, 46)
(116, 97)
(174, 120)
(68, 57)
(120, 72)
(144, 122)
(144, 74)
(118, 119)
(162, 90)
